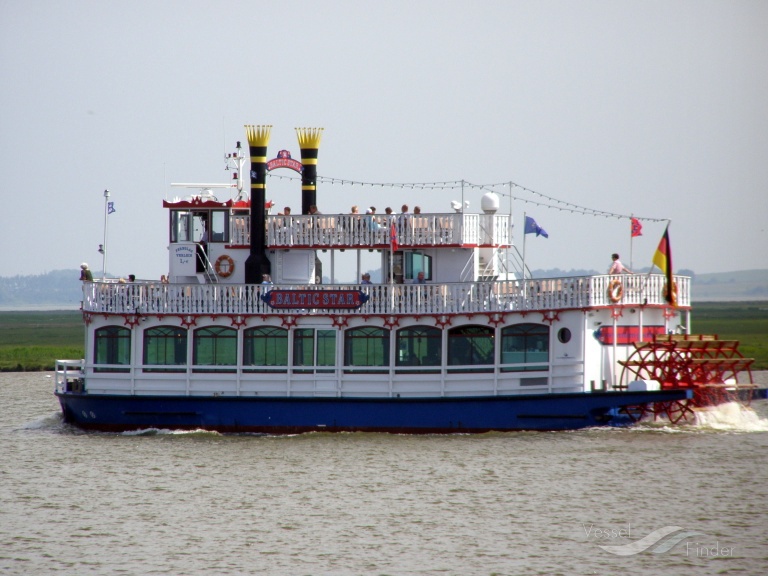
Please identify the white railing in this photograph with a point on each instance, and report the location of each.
(398, 299)
(68, 375)
(327, 231)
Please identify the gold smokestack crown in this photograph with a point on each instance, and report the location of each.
(309, 137)
(258, 135)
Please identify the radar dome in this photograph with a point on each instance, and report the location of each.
(489, 203)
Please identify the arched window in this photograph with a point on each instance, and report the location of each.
(214, 346)
(367, 346)
(165, 346)
(112, 345)
(419, 346)
(470, 346)
(525, 344)
(265, 346)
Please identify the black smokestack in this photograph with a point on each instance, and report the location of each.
(257, 262)
(309, 142)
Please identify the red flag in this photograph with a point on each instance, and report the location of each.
(663, 259)
(393, 237)
(637, 228)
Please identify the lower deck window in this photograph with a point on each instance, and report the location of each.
(526, 344)
(366, 347)
(265, 349)
(165, 346)
(214, 347)
(112, 345)
(470, 349)
(418, 346)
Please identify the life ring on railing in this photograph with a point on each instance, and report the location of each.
(615, 290)
(224, 266)
(665, 291)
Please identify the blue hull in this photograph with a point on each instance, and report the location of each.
(118, 413)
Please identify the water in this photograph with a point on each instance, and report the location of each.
(346, 504)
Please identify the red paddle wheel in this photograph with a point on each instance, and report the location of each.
(703, 363)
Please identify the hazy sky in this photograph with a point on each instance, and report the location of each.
(652, 108)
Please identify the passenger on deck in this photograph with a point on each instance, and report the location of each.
(420, 279)
(370, 220)
(266, 279)
(85, 273)
(617, 267)
(366, 279)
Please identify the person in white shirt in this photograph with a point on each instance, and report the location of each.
(617, 267)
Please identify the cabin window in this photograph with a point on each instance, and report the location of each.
(368, 347)
(471, 349)
(265, 347)
(112, 345)
(219, 229)
(215, 346)
(419, 346)
(416, 262)
(165, 346)
(526, 344)
(314, 349)
(180, 226)
(199, 226)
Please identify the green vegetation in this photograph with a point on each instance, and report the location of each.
(31, 341)
(746, 322)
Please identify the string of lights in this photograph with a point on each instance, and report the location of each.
(504, 189)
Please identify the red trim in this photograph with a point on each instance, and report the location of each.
(627, 334)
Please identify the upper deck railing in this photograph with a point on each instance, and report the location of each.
(371, 230)
(392, 299)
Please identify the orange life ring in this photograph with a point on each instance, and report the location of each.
(224, 266)
(615, 290)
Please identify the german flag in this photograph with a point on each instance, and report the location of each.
(663, 259)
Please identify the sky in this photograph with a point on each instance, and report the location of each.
(655, 109)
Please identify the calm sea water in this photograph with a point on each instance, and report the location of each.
(515, 503)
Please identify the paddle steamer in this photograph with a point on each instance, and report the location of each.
(251, 331)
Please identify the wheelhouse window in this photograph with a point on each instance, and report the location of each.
(314, 350)
(219, 226)
(199, 226)
(470, 348)
(366, 347)
(419, 346)
(526, 344)
(112, 345)
(181, 229)
(214, 346)
(265, 348)
(165, 346)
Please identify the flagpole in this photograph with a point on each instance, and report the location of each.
(631, 242)
(525, 283)
(104, 253)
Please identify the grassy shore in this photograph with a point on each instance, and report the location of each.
(31, 341)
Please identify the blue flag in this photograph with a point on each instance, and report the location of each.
(531, 227)
(110, 207)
